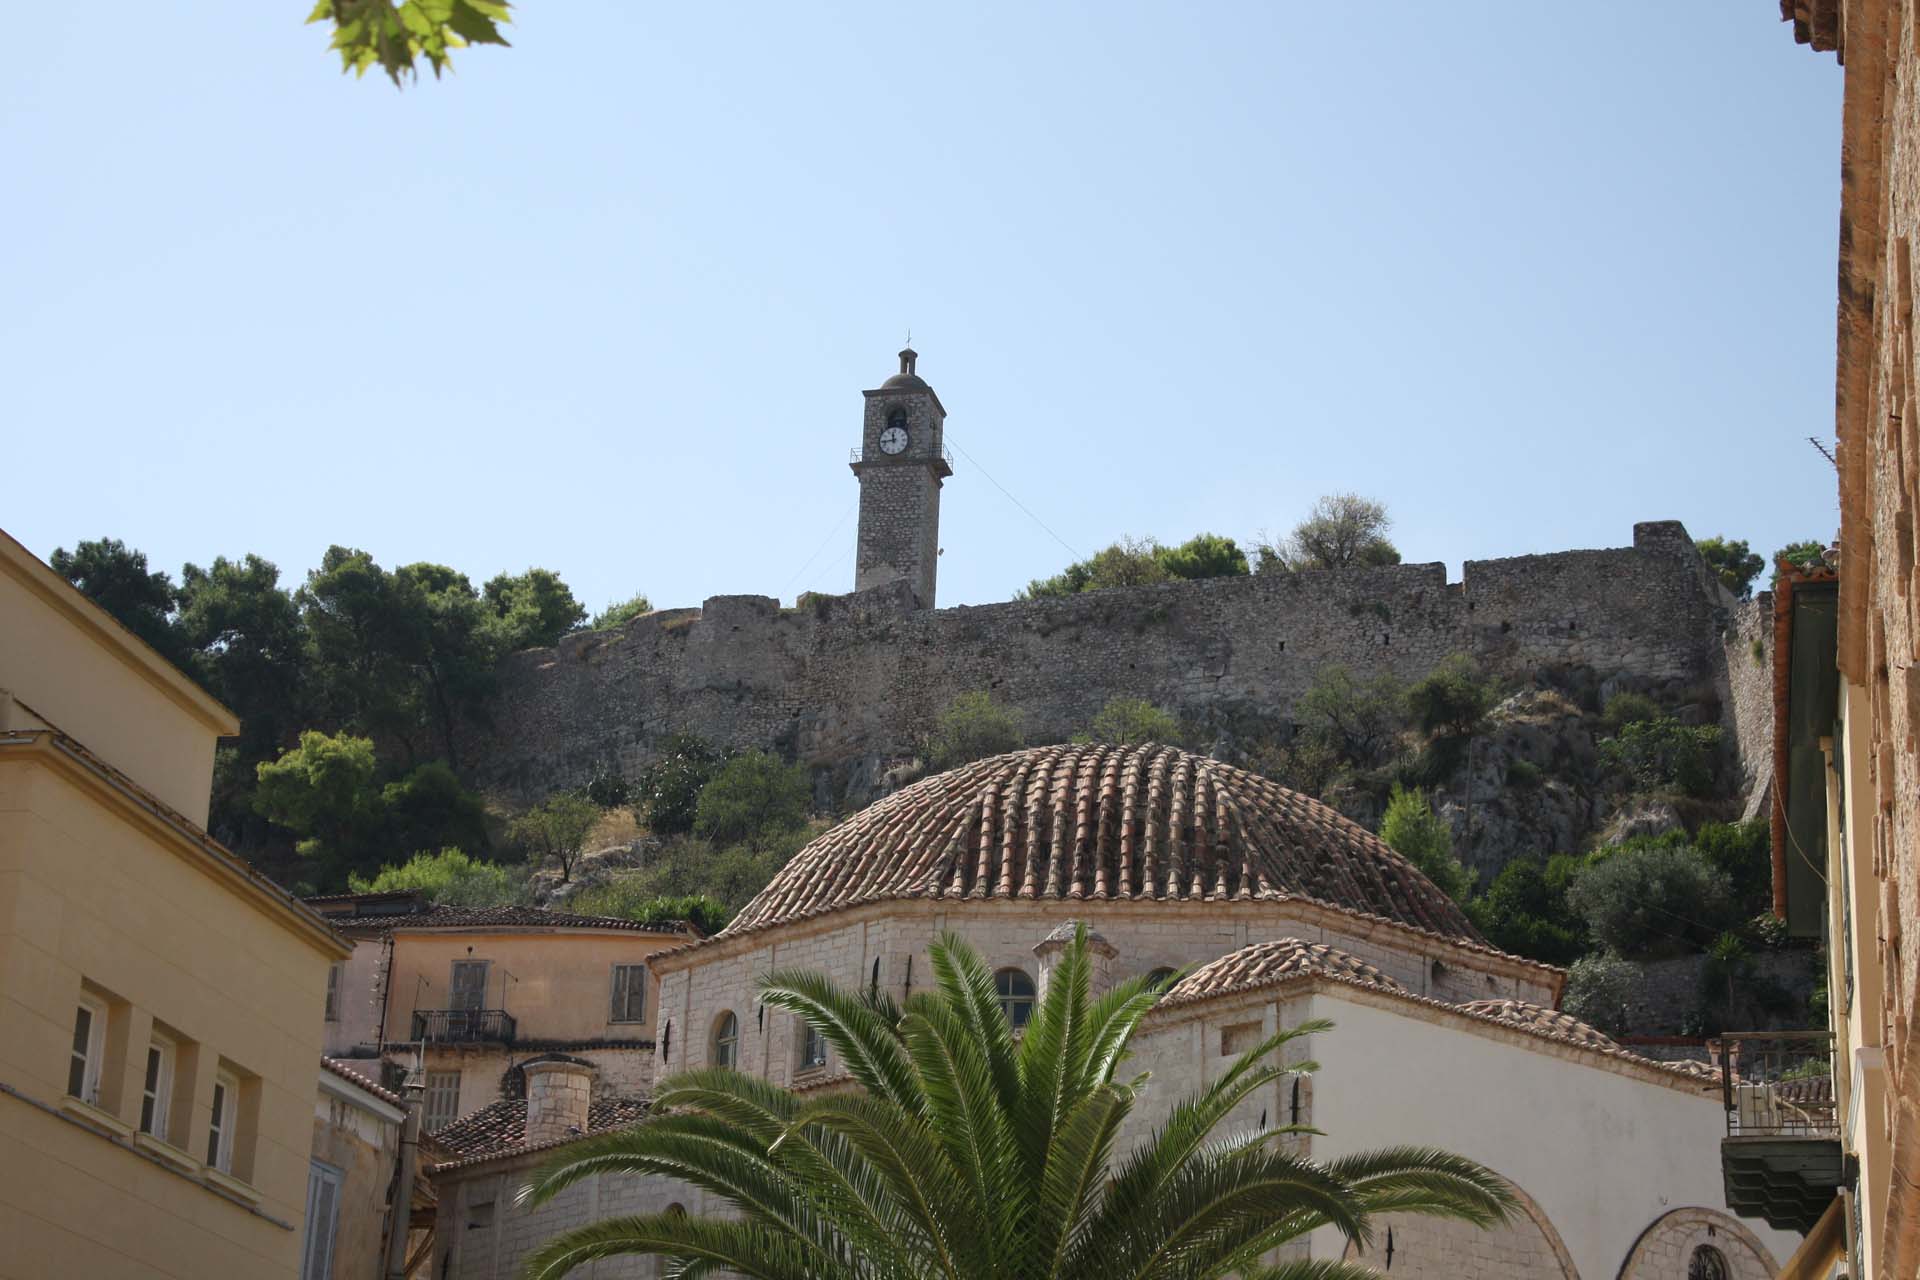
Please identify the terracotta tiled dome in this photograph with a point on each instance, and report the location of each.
(1269, 962)
(1549, 1022)
(1102, 823)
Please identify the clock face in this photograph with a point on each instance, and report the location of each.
(893, 439)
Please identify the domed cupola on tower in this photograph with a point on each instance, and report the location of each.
(901, 462)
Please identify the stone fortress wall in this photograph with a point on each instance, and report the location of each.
(849, 684)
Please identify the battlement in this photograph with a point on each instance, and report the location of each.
(863, 675)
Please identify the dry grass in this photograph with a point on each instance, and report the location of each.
(616, 826)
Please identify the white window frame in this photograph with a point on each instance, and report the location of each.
(316, 1259)
(813, 1048)
(156, 1086)
(226, 1112)
(439, 1084)
(724, 1048)
(93, 1054)
(624, 980)
(333, 992)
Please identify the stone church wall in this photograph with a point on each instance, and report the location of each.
(848, 683)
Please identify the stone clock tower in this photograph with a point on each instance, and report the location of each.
(900, 462)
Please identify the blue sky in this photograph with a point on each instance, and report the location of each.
(605, 301)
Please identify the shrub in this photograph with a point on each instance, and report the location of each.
(556, 829)
(1306, 764)
(1524, 775)
(1524, 911)
(1625, 708)
(615, 614)
(1453, 699)
(630, 897)
(1602, 990)
(1135, 562)
(608, 789)
(1652, 895)
(667, 795)
(1413, 830)
(972, 727)
(1744, 851)
(752, 796)
(1344, 530)
(1806, 556)
(1361, 718)
(448, 877)
(1205, 555)
(1130, 721)
(1663, 752)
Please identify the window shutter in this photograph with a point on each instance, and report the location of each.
(323, 1211)
(619, 1011)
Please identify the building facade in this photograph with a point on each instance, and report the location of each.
(1277, 910)
(160, 1002)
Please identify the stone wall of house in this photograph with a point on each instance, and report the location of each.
(848, 684)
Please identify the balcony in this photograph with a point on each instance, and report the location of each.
(943, 463)
(1781, 1159)
(464, 1026)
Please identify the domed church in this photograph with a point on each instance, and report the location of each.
(1264, 909)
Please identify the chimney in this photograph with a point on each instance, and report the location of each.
(1100, 954)
(558, 1091)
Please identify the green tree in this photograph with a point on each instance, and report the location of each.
(429, 808)
(1524, 911)
(1413, 830)
(1343, 531)
(667, 796)
(1127, 722)
(116, 577)
(615, 614)
(1652, 896)
(1807, 556)
(630, 897)
(531, 610)
(1743, 851)
(394, 34)
(323, 791)
(1205, 555)
(751, 798)
(1130, 562)
(972, 727)
(1361, 718)
(450, 646)
(1733, 562)
(448, 877)
(1603, 990)
(1453, 699)
(967, 1152)
(354, 625)
(556, 829)
(1663, 752)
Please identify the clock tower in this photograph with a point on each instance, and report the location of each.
(901, 462)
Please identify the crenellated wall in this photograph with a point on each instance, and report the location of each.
(851, 681)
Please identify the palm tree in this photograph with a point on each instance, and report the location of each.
(969, 1152)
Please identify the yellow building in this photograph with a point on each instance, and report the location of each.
(1847, 833)
(160, 1003)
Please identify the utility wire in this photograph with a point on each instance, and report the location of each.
(1015, 501)
(822, 547)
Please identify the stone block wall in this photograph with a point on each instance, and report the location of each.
(861, 678)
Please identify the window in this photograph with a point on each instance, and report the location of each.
(1159, 979)
(323, 1220)
(469, 987)
(89, 1034)
(157, 1088)
(1707, 1263)
(479, 1214)
(333, 994)
(1239, 1038)
(629, 993)
(726, 1041)
(813, 1048)
(226, 1096)
(442, 1100)
(1016, 995)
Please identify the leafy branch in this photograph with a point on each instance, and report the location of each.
(395, 35)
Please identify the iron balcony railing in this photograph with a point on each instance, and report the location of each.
(464, 1026)
(1778, 1084)
(857, 454)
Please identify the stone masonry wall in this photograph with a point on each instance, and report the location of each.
(849, 682)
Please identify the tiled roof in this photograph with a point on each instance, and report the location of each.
(1264, 963)
(1561, 1026)
(350, 1069)
(1103, 823)
(375, 911)
(500, 1129)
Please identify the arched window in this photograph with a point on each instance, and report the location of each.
(1708, 1263)
(726, 1040)
(1159, 979)
(1016, 995)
